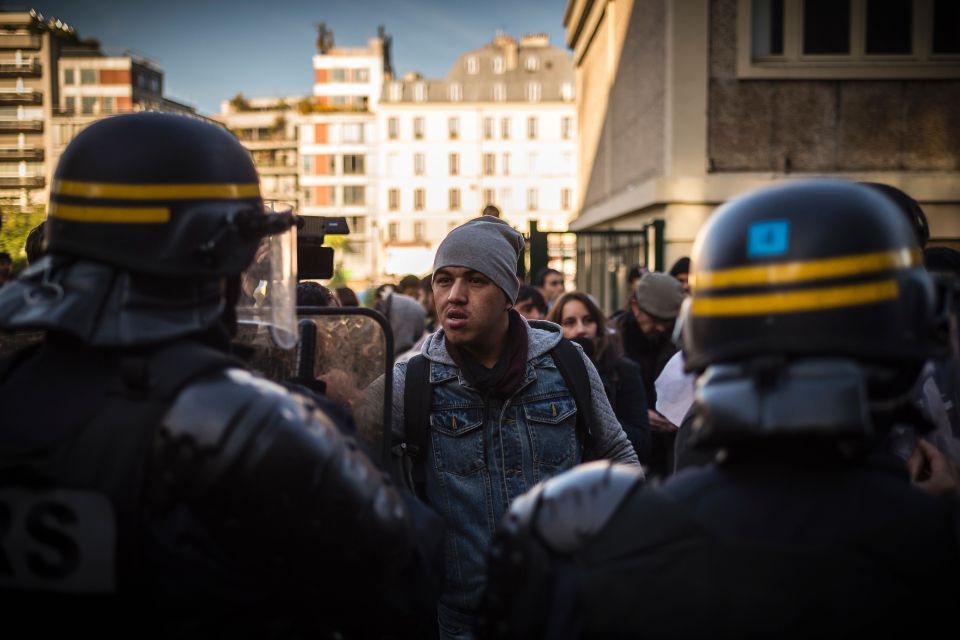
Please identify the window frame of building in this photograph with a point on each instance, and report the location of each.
(419, 199)
(531, 62)
(455, 92)
(360, 75)
(70, 104)
(506, 163)
(419, 230)
(108, 105)
(566, 127)
(419, 163)
(393, 128)
(453, 128)
(419, 128)
(420, 92)
(356, 135)
(354, 195)
(338, 75)
(499, 92)
(453, 162)
(534, 91)
(489, 197)
(453, 199)
(396, 91)
(753, 62)
(393, 199)
(532, 198)
(489, 164)
(498, 65)
(354, 164)
(88, 76)
(505, 126)
(488, 128)
(472, 64)
(532, 127)
(88, 104)
(566, 197)
(69, 76)
(393, 231)
(566, 92)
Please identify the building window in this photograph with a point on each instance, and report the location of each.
(453, 128)
(308, 165)
(393, 199)
(358, 225)
(419, 164)
(532, 63)
(531, 199)
(505, 128)
(826, 26)
(418, 127)
(532, 159)
(566, 91)
(506, 164)
(565, 199)
(393, 231)
(498, 64)
(420, 92)
(499, 92)
(418, 230)
(331, 162)
(454, 164)
(489, 164)
(88, 76)
(473, 65)
(393, 128)
(456, 92)
(488, 128)
(533, 91)
(946, 27)
(566, 127)
(354, 195)
(68, 76)
(361, 75)
(353, 165)
(107, 105)
(352, 132)
(338, 75)
(488, 197)
(532, 128)
(889, 27)
(453, 200)
(419, 198)
(87, 104)
(70, 104)
(396, 91)
(308, 197)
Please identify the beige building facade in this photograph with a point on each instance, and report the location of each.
(687, 103)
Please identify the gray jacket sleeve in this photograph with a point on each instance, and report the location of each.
(609, 440)
(368, 411)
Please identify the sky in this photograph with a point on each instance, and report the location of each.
(210, 50)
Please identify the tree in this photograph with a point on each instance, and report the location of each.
(239, 103)
(16, 227)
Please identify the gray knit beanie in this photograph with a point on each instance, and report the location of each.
(488, 245)
(659, 295)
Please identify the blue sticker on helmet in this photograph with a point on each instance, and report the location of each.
(768, 238)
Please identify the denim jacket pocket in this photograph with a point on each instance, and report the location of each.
(458, 440)
(552, 423)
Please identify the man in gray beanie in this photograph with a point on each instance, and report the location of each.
(501, 418)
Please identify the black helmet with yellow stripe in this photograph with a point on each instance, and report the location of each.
(158, 194)
(809, 269)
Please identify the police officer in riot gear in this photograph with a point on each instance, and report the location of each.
(810, 319)
(149, 484)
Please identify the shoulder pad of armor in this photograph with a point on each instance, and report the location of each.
(569, 509)
(206, 411)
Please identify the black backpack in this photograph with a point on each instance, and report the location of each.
(409, 447)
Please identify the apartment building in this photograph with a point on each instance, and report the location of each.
(269, 128)
(52, 85)
(687, 103)
(499, 129)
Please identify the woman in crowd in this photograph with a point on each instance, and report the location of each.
(584, 322)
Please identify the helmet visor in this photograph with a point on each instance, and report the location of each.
(266, 310)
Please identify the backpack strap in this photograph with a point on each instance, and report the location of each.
(574, 372)
(417, 400)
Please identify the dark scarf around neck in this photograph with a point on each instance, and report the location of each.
(506, 376)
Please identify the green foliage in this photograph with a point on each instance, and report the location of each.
(17, 225)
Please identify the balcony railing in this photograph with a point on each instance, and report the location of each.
(21, 125)
(25, 68)
(25, 182)
(27, 96)
(21, 153)
(20, 41)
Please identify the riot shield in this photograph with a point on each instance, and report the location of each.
(341, 352)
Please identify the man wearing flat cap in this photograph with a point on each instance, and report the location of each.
(501, 416)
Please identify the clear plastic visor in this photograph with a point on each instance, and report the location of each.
(266, 310)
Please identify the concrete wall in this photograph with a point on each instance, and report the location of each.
(622, 75)
(824, 125)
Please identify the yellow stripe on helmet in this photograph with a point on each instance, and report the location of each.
(803, 271)
(224, 191)
(116, 215)
(796, 301)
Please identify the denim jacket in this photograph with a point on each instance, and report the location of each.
(482, 452)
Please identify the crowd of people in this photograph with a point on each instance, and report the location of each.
(764, 441)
